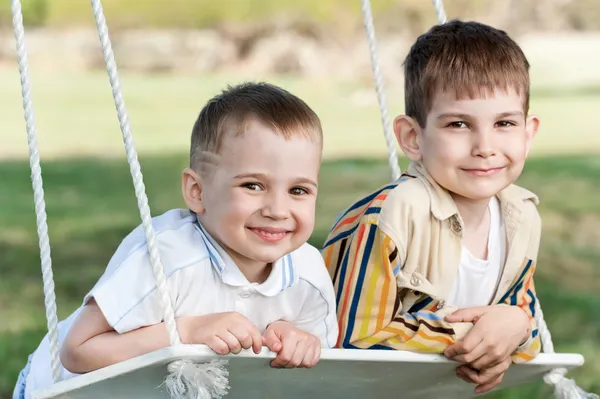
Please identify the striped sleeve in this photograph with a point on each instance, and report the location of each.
(522, 294)
(363, 266)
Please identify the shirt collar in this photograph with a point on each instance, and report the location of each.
(283, 273)
(444, 207)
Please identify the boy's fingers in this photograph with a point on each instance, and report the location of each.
(466, 315)
(242, 334)
(271, 340)
(231, 341)
(298, 355)
(285, 354)
(307, 360)
(486, 387)
(257, 339)
(471, 356)
(218, 345)
(488, 360)
(316, 354)
(464, 346)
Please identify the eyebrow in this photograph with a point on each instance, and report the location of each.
(466, 116)
(262, 176)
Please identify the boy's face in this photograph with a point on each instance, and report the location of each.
(474, 147)
(259, 200)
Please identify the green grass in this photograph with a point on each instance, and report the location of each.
(91, 207)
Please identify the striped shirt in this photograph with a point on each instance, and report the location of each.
(393, 257)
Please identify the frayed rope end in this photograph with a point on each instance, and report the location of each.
(192, 380)
(565, 388)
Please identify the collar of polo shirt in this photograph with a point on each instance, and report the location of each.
(283, 274)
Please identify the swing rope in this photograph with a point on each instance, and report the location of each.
(383, 107)
(136, 173)
(38, 188)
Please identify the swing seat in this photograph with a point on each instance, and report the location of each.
(341, 373)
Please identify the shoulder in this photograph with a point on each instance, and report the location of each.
(177, 237)
(389, 208)
(310, 266)
(524, 200)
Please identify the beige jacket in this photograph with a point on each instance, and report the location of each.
(393, 257)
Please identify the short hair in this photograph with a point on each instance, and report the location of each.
(470, 59)
(285, 113)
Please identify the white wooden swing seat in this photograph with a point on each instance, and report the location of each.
(340, 373)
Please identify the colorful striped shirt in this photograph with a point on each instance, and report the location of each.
(394, 254)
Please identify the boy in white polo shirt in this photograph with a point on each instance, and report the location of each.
(239, 271)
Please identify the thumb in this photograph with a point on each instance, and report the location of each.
(466, 315)
(271, 340)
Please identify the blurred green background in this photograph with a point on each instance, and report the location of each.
(90, 200)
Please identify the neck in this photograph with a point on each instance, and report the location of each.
(472, 212)
(255, 272)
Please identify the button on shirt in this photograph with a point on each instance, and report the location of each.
(202, 279)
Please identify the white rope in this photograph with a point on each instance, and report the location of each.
(383, 107)
(439, 11)
(186, 379)
(564, 388)
(136, 173)
(38, 190)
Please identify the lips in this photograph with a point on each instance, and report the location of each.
(483, 171)
(270, 234)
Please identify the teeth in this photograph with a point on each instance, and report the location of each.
(268, 234)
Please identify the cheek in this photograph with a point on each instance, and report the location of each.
(304, 213)
(515, 149)
(239, 206)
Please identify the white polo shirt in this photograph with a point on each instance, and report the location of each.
(201, 279)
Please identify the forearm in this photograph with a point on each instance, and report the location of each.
(111, 347)
(419, 332)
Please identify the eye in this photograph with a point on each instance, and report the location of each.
(252, 186)
(299, 191)
(457, 125)
(505, 123)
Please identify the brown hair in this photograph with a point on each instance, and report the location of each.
(287, 114)
(468, 58)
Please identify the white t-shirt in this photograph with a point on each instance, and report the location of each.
(477, 280)
(201, 279)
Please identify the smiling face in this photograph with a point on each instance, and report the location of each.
(474, 148)
(258, 201)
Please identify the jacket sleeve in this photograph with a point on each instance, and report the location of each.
(522, 294)
(364, 265)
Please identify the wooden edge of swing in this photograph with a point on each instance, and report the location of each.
(202, 353)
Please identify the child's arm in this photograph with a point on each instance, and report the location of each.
(364, 269)
(522, 294)
(92, 344)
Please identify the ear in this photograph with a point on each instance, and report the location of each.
(407, 132)
(191, 188)
(531, 128)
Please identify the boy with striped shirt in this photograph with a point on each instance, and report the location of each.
(442, 260)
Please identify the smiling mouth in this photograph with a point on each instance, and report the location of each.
(484, 171)
(269, 234)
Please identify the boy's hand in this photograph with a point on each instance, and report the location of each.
(497, 333)
(294, 347)
(222, 332)
(485, 379)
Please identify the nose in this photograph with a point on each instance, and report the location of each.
(483, 143)
(276, 206)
